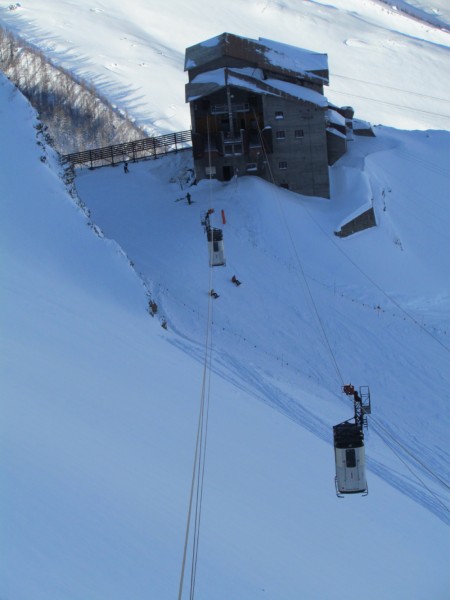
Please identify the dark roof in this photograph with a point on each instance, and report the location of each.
(262, 53)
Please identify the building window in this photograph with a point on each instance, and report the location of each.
(282, 164)
(251, 167)
(299, 133)
(281, 135)
(232, 149)
(279, 114)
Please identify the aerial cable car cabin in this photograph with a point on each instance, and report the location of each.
(215, 247)
(349, 448)
(350, 459)
(215, 240)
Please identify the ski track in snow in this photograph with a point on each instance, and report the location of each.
(285, 374)
(187, 325)
(369, 31)
(252, 383)
(416, 13)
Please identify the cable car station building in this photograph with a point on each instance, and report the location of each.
(258, 108)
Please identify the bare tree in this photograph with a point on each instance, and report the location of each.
(76, 114)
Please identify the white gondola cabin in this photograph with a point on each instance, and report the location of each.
(350, 459)
(349, 450)
(215, 247)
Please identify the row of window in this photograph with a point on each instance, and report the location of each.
(282, 165)
(281, 135)
(249, 167)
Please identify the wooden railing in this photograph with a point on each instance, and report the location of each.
(130, 151)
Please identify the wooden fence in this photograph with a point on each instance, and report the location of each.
(130, 151)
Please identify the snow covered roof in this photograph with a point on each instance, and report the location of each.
(293, 58)
(336, 132)
(252, 80)
(358, 124)
(335, 117)
(262, 53)
(297, 91)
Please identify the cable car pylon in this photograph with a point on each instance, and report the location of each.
(349, 445)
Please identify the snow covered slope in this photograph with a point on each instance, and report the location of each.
(382, 295)
(100, 404)
(389, 63)
(94, 466)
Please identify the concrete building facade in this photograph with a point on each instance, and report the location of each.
(258, 108)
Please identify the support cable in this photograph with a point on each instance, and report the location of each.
(198, 471)
(386, 434)
(202, 459)
(200, 479)
(402, 106)
(413, 473)
(297, 257)
(199, 462)
(377, 423)
(375, 284)
(390, 87)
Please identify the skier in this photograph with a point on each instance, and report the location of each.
(235, 281)
(188, 198)
(125, 168)
(213, 294)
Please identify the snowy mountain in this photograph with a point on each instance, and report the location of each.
(386, 59)
(100, 403)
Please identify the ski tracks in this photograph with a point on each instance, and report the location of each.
(253, 383)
